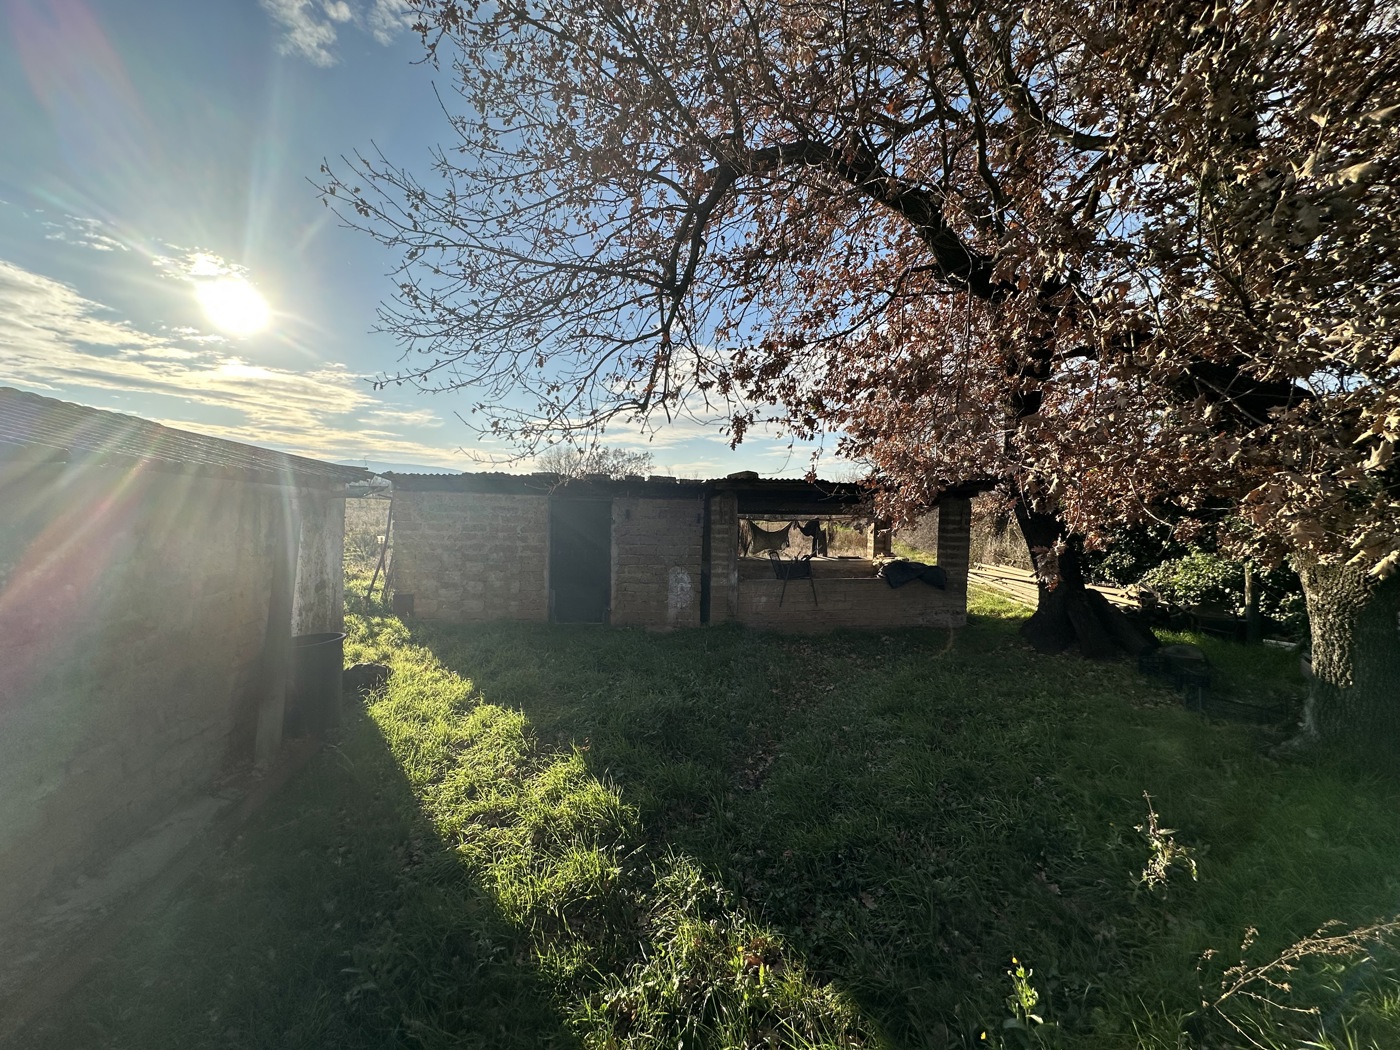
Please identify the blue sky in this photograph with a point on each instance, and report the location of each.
(156, 151)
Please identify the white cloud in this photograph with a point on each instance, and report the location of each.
(418, 417)
(85, 233)
(309, 28)
(303, 33)
(182, 264)
(388, 18)
(58, 342)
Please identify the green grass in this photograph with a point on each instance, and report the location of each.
(721, 838)
(900, 549)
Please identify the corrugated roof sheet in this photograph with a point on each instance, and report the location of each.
(64, 432)
(755, 495)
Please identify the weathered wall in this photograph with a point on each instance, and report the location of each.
(133, 613)
(318, 603)
(656, 561)
(468, 557)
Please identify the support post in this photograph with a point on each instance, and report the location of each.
(954, 539)
(879, 539)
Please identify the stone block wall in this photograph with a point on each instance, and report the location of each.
(656, 561)
(134, 616)
(468, 557)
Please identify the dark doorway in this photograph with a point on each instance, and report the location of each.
(580, 560)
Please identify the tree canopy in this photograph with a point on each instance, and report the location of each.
(1111, 254)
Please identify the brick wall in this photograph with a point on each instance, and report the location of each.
(656, 561)
(954, 535)
(467, 557)
(134, 611)
(847, 603)
(724, 558)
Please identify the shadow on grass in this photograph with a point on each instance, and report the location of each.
(905, 811)
(848, 792)
(337, 919)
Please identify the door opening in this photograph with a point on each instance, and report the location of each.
(580, 560)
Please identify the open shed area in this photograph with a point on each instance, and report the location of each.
(658, 552)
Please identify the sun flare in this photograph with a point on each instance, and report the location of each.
(233, 305)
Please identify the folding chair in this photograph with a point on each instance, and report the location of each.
(796, 569)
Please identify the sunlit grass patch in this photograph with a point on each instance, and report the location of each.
(641, 947)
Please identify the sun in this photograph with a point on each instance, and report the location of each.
(233, 305)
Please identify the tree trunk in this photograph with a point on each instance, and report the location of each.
(1355, 692)
(1068, 613)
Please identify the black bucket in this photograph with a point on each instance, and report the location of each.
(313, 684)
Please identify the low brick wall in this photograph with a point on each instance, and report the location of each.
(847, 603)
(134, 616)
(469, 557)
(656, 561)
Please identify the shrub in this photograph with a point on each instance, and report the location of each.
(1199, 578)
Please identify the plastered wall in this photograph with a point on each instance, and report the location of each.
(134, 614)
(318, 602)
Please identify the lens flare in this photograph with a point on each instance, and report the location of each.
(233, 305)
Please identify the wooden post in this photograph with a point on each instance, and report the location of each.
(878, 541)
(1253, 618)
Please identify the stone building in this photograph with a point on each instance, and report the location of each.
(151, 581)
(655, 552)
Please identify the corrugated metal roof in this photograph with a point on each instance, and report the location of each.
(754, 494)
(65, 432)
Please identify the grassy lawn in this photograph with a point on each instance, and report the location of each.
(611, 838)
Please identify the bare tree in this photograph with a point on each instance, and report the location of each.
(572, 462)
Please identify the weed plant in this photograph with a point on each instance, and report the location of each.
(587, 836)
